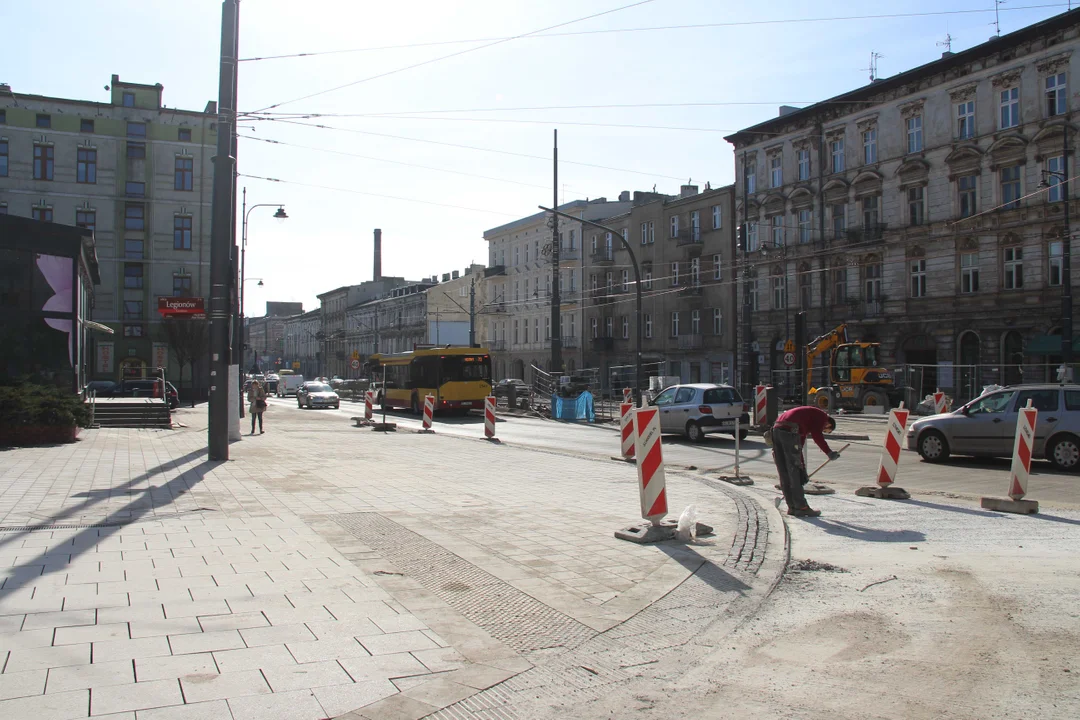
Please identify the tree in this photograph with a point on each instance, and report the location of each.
(190, 341)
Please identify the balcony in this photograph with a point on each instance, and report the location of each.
(691, 290)
(496, 345)
(602, 256)
(872, 233)
(494, 270)
(689, 342)
(602, 344)
(874, 308)
(568, 342)
(498, 306)
(569, 296)
(689, 236)
(602, 296)
(569, 254)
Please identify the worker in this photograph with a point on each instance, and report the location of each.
(788, 435)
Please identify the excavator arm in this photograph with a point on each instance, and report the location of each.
(823, 344)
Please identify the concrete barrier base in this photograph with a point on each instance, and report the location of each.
(646, 532)
(620, 458)
(890, 492)
(384, 427)
(739, 479)
(1020, 507)
(814, 489)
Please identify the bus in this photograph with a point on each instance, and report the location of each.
(458, 377)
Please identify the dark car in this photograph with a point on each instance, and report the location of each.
(102, 388)
(502, 388)
(145, 389)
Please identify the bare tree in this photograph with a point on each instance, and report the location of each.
(190, 341)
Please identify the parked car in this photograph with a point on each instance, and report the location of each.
(986, 426)
(288, 385)
(315, 395)
(103, 388)
(502, 388)
(145, 389)
(701, 408)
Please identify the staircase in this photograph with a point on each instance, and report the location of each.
(132, 413)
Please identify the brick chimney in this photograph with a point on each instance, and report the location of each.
(377, 271)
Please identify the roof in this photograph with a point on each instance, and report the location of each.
(870, 94)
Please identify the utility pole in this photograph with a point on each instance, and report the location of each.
(472, 312)
(744, 241)
(220, 237)
(556, 298)
(1066, 268)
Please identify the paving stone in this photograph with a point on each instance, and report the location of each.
(199, 642)
(397, 707)
(35, 621)
(47, 657)
(383, 667)
(339, 699)
(397, 642)
(195, 609)
(174, 666)
(198, 688)
(253, 658)
(110, 650)
(440, 659)
(295, 705)
(55, 706)
(90, 633)
(276, 635)
(26, 639)
(174, 626)
(307, 675)
(136, 696)
(235, 621)
(331, 648)
(22, 684)
(79, 677)
(210, 710)
(96, 601)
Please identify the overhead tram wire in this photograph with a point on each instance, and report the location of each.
(457, 54)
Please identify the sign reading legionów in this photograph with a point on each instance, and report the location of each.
(181, 306)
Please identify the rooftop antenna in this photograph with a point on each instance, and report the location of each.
(874, 56)
(997, 15)
(946, 43)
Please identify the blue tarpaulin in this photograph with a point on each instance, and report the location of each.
(579, 408)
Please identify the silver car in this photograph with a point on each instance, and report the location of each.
(316, 395)
(986, 426)
(701, 408)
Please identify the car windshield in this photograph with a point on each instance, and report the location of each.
(318, 387)
(996, 403)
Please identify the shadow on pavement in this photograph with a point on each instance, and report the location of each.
(858, 532)
(951, 508)
(1054, 518)
(707, 571)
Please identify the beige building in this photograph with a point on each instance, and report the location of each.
(136, 173)
(914, 209)
(302, 349)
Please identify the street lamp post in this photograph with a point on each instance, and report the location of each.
(1066, 263)
(637, 285)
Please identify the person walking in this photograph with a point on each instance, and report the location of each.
(788, 436)
(257, 406)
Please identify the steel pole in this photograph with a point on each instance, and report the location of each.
(239, 344)
(1066, 268)
(556, 295)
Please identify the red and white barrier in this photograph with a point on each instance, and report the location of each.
(890, 452)
(1022, 447)
(940, 404)
(627, 395)
(650, 464)
(760, 405)
(369, 400)
(429, 410)
(489, 417)
(626, 423)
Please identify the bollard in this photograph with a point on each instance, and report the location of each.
(369, 400)
(489, 417)
(939, 403)
(1023, 445)
(652, 479)
(429, 411)
(626, 424)
(890, 459)
(760, 402)
(738, 478)
(627, 395)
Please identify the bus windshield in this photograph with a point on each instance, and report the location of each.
(466, 367)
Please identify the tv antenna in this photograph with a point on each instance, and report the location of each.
(874, 56)
(997, 15)
(946, 43)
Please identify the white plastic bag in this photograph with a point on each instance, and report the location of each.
(686, 530)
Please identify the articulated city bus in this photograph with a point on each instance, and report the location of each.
(458, 377)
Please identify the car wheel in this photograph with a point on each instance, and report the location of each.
(742, 434)
(694, 432)
(1065, 453)
(933, 447)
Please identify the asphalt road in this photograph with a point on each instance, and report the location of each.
(965, 477)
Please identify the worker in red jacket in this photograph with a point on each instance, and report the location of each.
(788, 435)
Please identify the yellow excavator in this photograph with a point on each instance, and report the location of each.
(855, 379)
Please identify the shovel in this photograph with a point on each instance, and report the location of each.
(827, 461)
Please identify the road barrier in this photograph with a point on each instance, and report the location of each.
(650, 465)
(489, 417)
(1023, 445)
(940, 403)
(760, 405)
(429, 410)
(890, 459)
(369, 400)
(626, 424)
(627, 395)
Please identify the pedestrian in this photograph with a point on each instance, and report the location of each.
(788, 436)
(257, 400)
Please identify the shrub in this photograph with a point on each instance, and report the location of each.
(29, 405)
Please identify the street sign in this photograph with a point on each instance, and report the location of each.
(355, 355)
(296, 365)
(789, 347)
(789, 358)
(355, 364)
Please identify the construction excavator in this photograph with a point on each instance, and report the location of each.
(855, 379)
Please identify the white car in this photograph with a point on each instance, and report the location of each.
(316, 395)
(701, 408)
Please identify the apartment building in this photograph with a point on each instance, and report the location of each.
(924, 210)
(684, 246)
(302, 349)
(333, 323)
(136, 173)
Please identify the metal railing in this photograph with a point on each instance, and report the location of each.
(603, 254)
(690, 342)
(689, 236)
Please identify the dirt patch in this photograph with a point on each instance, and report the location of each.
(815, 566)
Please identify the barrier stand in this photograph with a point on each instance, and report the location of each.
(738, 478)
(384, 426)
(760, 405)
(366, 420)
(1021, 467)
(429, 411)
(626, 427)
(652, 483)
(627, 395)
(489, 418)
(890, 459)
(940, 404)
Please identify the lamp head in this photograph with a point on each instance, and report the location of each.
(280, 214)
(261, 283)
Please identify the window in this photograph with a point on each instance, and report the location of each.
(134, 217)
(135, 189)
(777, 225)
(839, 285)
(803, 222)
(43, 162)
(133, 276)
(625, 280)
(128, 99)
(133, 331)
(610, 286)
(1010, 187)
(779, 287)
(695, 223)
(969, 272)
(1010, 108)
(806, 289)
(133, 248)
(648, 326)
(804, 164)
(1014, 268)
(3, 158)
(965, 120)
(181, 232)
(873, 281)
(594, 324)
(695, 272)
(644, 233)
(86, 171)
(718, 268)
(517, 252)
(914, 134)
(3, 116)
(966, 193)
(86, 219)
(536, 330)
(751, 237)
(916, 205)
(871, 205)
(675, 273)
(44, 121)
(609, 327)
(717, 322)
(754, 295)
(86, 125)
(836, 147)
(675, 324)
(1054, 251)
(573, 239)
(625, 327)
(133, 309)
(593, 282)
(1055, 173)
(918, 278)
(526, 244)
(183, 134)
(695, 322)
(136, 130)
(869, 144)
(136, 150)
(751, 177)
(1056, 97)
(181, 285)
(652, 232)
(42, 214)
(717, 218)
(674, 226)
(547, 328)
(183, 178)
(839, 220)
(776, 171)
(647, 282)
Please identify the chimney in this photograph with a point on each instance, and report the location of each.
(688, 190)
(446, 277)
(455, 274)
(376, 273)
(947, 54)
(624, 196)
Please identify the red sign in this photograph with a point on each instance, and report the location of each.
(181, 306)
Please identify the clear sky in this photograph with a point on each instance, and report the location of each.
(433, 217)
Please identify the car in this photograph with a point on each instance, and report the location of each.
(502, 388)
(315, 395)
(146, 389)
(986, 426)
(102, 388)
(698, 409)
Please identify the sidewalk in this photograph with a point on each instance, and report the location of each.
(328, 570)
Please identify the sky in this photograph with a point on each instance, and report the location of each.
(392, 156)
